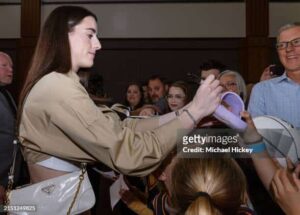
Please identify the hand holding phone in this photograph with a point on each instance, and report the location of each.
(277, 70)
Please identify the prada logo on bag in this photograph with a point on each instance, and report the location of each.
(49, 189)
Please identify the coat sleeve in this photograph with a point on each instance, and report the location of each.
(101, 134)
(141, 124)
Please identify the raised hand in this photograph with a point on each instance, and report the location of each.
(286, 189)
(250, 135)
(267, 73)
(207, 98)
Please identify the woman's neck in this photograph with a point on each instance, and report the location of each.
(74, 69)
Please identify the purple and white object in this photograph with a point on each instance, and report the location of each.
(231, 117)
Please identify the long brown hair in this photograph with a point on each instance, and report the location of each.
(208, 186)
(52, 52)
(184, 87)
(141, 102)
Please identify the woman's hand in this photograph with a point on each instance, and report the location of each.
(267, 73)
(128, 196)
(206, 99)
(250, 135)
(286, 189)
(147, 112)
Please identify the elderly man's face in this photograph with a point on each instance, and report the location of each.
(290, 56)
(6, 71)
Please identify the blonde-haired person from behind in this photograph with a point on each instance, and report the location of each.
(209, 186)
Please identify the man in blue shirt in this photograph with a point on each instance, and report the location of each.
(280, 97)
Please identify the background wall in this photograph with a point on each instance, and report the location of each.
(281, 14)
(169, 39)
(127, 60)
(10, 21)
(167, 20)
(148, 20)
(166, 38)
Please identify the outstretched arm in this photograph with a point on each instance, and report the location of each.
(101, 136)
(263, 163)
(204, 103)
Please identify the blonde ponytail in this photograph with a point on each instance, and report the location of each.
(202, 205)
(207, 186)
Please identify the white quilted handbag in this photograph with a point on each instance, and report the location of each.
(70, 194)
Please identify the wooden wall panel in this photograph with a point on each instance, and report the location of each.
(30, 18)
(122, 61)
(30, 27)
(255, 55)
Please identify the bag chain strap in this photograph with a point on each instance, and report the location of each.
(11, 172)
(9, 188)
(11, 179)
(81, 177)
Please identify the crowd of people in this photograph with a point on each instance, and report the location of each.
(60, 124)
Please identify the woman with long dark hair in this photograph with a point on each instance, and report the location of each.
(60, 126)
(134, 96)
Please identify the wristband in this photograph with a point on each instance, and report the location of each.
(257, 147)
(191, 116)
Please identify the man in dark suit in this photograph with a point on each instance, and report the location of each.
(7, 121)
